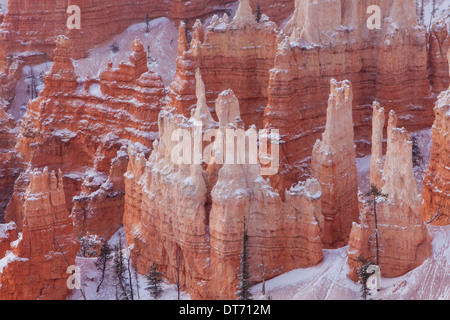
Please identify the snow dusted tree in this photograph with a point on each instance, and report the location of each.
(364, 275)
(89, 245)
(420, 10)
(130, 278)
(417, 158)
(258, 13)
(376, 194)
(102, 261)
(263, 288)
(136, 278)
(243, 292)
(120, 276)
(178, 257)
(154, 280)
(147, 22)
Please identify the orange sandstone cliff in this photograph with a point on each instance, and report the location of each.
(81, 127)
(192, 214)
(334, 166)
(436, 191)
(34, 265)
(404, 242)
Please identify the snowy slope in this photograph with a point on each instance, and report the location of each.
(90, 278)
(3, 6)
(162, 41)
(442, 11)
(329, 280)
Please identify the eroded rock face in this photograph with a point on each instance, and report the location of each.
(233, 54)
(34, 266)
(330, 39)
(376, 159)
(34, 25)
(334, 166)
(9, 163)
(404, 242)
(436, 191)
(81, 127)
(193, 213)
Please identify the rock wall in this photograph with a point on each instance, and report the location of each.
(193, 214)
(404, 242)
(234, 54)
(8, 158)
(81, 127)
(334, 166)
(34, 266)
(389, 65)
(376, 159)
(436, 191)
(34, 25)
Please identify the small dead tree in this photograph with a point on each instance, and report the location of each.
(102, 261)
(178, 261)
(263, 289)
(154, 280)
(120, 276)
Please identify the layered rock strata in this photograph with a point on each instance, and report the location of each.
(234, 54)
(376, 159)
(8, 158)
(34, 25)
(330, 39)
(334, 166)
(192, 214)
(81, 127)
(436, 191)
(404, 242)
(34, 265)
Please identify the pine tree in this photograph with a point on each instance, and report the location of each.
(364, 275)
(154, 280)
(178, 258)
(102, 261)
(417, 158)
(130, 283)
(243, 292)
(136, 278)
(258, 13)
(147, 21)
(375, 194)
(120, 276)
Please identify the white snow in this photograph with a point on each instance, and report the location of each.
(442, 12)
(162, 40)
(3, 6)
(9, 257)
(23, 94)
(329, 279)
(90, 278)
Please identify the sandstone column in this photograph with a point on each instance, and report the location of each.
(334, 166)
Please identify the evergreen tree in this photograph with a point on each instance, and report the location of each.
(154, 280)
(120, 276)
(243, 292)
(147, 21)
(417, 158)
(130, 284)
(375, 194)
(258, 13)
(178, 258)
(364, 275)
(102, 261)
